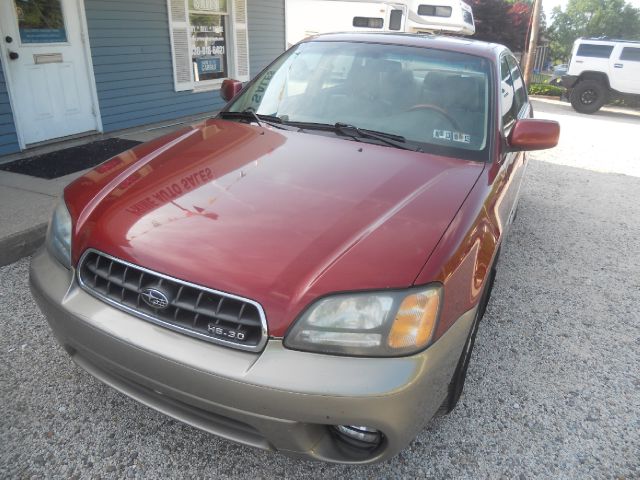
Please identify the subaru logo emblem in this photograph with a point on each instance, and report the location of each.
(154, 298)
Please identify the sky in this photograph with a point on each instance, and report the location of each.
(548, 5)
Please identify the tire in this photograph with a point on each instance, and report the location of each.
(457, 382)
(588, 96)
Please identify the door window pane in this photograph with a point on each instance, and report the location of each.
(518, 84)
(630, 53)
(507, 100)
(40, 21)
(395, 20)
(594, 50)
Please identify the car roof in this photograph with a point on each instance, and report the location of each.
(606, 40)
(440, 42)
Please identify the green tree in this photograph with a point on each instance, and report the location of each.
(502, 21)
(591, 18)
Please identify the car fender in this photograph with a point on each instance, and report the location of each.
(463, 258)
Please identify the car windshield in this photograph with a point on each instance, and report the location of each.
(435, 99)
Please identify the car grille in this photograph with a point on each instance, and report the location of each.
(207, 314)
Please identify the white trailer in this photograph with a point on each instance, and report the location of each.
(305, 18)
(440, 16)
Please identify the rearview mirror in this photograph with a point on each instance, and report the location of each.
(230, 88)
(533, 134)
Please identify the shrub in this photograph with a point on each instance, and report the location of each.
(545, 89)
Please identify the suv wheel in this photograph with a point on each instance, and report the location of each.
(588, 96)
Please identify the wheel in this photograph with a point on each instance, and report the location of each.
(515, 212)
(435, 108)
(460, 375)
(588, 96)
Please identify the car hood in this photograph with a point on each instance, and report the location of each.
(278, 216)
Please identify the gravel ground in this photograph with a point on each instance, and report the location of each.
(553, 388)
(604, 142)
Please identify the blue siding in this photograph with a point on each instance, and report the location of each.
(131, 53)
(266, 32)
(8, 138)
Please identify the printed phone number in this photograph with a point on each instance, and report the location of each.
(218, 50)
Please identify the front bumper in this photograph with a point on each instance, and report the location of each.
(278, 399)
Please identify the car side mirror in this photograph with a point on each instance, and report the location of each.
(230, 88)
(533, 134)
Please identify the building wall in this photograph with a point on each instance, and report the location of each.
(131, 55)
(266, 32)
(8, 138)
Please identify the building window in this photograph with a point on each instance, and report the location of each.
(434, 11)
(209, 41)
(368, 22)
(207, 22)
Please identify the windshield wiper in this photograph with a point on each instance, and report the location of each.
(358, 134)
(250, 114)
(397, 141)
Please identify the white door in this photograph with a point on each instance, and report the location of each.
(47, 70)
(626, 69)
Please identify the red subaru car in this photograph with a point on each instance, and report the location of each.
(306, 271)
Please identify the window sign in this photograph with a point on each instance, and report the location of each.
(40, 21)
(209, 6)
(207, 20)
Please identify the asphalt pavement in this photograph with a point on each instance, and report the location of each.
(553, 388)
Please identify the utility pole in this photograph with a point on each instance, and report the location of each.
(533, 42)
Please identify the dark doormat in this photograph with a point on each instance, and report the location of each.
(69, 160)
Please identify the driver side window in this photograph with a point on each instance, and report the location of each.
(507, 95)
(518, 84)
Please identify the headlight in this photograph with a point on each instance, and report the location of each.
(59, 235)
(377, 324)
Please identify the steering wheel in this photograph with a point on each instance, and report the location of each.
(435, 108)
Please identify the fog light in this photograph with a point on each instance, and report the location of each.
(359, 436)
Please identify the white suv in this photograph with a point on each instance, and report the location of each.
(600, 70)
